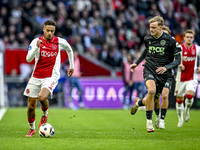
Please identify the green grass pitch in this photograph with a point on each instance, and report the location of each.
(99, 130)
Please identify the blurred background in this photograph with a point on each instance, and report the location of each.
(106, 35)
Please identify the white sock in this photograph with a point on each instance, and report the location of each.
(149, 121)
(189, 102)
(161, 120)
(32, 125)
(179, 109)
(44, 113)
(137, 103)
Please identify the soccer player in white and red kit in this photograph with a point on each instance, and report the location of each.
(46, 51)
(187, 77)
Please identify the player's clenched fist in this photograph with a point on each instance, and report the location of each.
(70, 72)
(132, 66)
(39, 42)
(198, 69)
(182, 67)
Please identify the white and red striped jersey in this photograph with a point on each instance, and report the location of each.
(47, 57)
(189, 60)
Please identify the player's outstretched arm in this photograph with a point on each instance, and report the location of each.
(181, 66)
(161, 70)
(142, 57)
(198, 68)
(65, 45)
(33, 49)
(177, 54)
(175, 63)
(132, 67)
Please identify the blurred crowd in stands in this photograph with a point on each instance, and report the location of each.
(107, 30)
(104, 29)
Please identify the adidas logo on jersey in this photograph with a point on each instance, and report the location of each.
(43, 47)
(185, 53)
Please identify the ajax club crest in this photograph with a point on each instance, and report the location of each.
(54, 47)
(162, 42)
(193, 51)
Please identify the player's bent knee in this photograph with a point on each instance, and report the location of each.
(42, 98)
(32, 102)
(165, 96)
(152, 92)
(189, 96)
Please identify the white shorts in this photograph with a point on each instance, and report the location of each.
(35, 85)
(182, 87)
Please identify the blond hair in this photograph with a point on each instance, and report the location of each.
(158, 19)
(189, 31)
(166, 28)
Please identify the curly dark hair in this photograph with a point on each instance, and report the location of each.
(50, 22)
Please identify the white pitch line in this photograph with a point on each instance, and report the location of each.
(2, 112)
